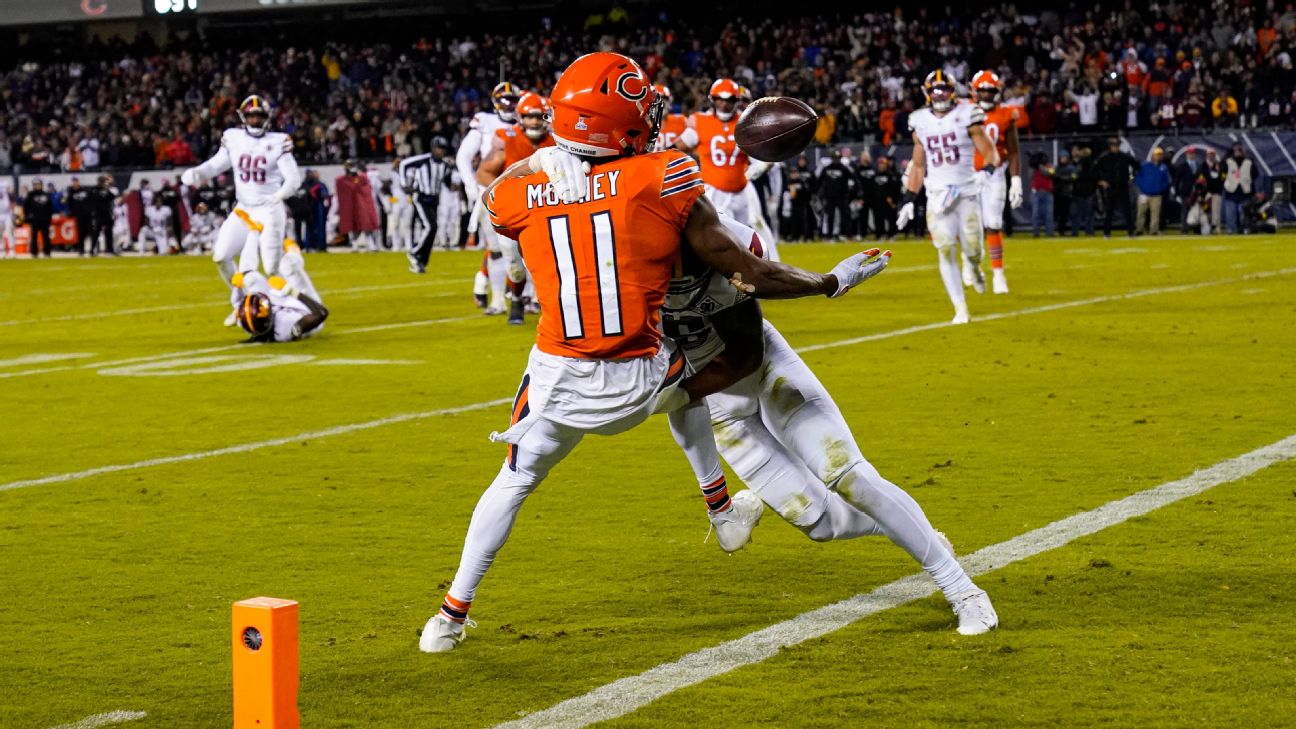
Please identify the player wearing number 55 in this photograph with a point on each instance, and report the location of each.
(265, 174)
(945, 134)
(601, 222)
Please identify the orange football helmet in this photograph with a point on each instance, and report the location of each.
(664, 91)
(604, 105)
(504, 97)
(533, 109)
(939, 90)
(725, 95)
(987, 87)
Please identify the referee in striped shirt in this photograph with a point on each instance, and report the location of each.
(425, 176)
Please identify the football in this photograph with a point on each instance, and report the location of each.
(775, 128)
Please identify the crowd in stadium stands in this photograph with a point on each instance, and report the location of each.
(1196, 65)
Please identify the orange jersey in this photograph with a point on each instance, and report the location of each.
(601, 265)
(672, 126)
(724, 166)
(517, 146)
(997, 123)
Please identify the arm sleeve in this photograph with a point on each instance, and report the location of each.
(219, 163)
(292, 176)
(689, 137)
(468, 149)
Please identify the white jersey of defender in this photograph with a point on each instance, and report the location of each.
(477, 145)
(260, 164)
(948, 145)
(692, 299)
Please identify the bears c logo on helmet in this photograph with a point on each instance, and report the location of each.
(630, 80)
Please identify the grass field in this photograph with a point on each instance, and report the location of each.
(1114, 366)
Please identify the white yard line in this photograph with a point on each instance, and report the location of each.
(29, 359)
(106, 719)
(633, 692)
(338, 293)
(401, 418)
(229, 347)
(254, 446)
(1047, 308)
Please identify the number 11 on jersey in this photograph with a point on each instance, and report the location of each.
(605, 263)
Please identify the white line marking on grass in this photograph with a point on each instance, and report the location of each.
(1046, 308)
(254, 446)
(633, 692)
(406, 324)
(241, 345)
(42, 358)
(363, 362)
(98, 720)
(211, 364)
(214, 303)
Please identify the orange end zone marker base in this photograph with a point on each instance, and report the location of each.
(265, 664)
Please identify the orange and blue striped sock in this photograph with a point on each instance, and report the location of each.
(456, 611)
(717, 495)
(994, 242)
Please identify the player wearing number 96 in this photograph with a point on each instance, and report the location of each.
(265, 174)
(945, 134)
(601, 221)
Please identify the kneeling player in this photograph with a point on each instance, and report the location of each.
(781, 432)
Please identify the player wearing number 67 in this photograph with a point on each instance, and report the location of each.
(602, 223)
(265, 174)
(945, 134)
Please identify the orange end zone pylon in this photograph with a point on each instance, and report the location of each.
(265, 664)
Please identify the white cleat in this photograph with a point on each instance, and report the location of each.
(442, 635)
(493, 310)
(232, 319)
(733, 526)
(1000, 285)
(975, 613)
(961, 315)
(968, 277)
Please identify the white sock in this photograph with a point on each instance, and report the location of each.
(952, 275)
(497, 272)
(691, 428)
(903, 521)
(492, 522)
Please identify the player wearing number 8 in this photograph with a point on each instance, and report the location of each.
(265, 174)
(601, 222)
(945, 135)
